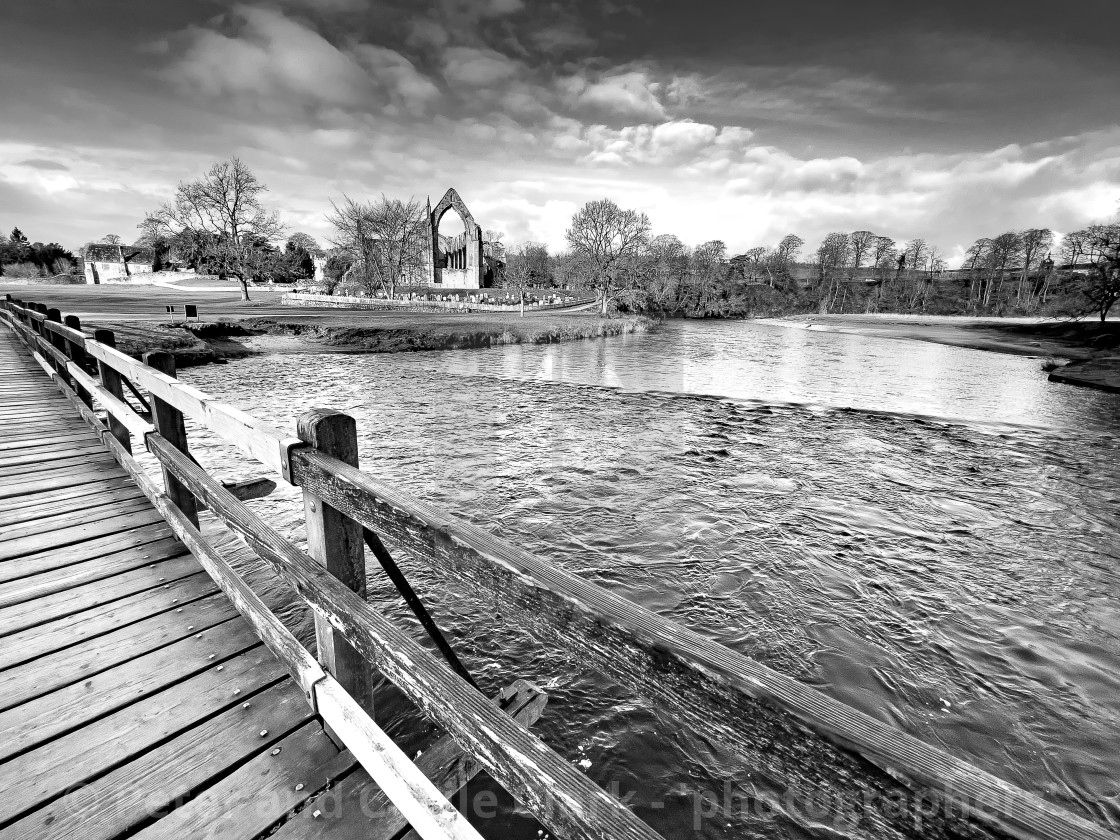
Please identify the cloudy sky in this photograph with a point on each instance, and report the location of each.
(722, 120)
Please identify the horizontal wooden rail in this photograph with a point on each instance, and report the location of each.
(562, 797)
(118, 408)
(712, 687)
(254, 437)
(70, 334)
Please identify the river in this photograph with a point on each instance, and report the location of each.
(927, 533)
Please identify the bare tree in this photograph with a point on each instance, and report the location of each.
(527, 266)
(606, 237)
(1102, 287)
(832, 257)
(707, 276)
(1034, 245)
(1005, 252)
(668, 273)
(789, 248)
(883, 257)
(385, 240)
(862, 244)
(222, 212)
(111, 239)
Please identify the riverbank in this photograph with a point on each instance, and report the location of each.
(200, 343)
(1090, 349)
(230, 328)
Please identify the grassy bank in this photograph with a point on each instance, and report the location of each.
(232, 328)
(401, 332)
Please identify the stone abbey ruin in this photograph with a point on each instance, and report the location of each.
(453, 262)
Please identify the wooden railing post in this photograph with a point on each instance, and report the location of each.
(111, 380)
(168, 421)
(77, 353)
(335, 541)
(57, 341)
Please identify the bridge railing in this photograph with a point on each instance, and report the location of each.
(886, 783)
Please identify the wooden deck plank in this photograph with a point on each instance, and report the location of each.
(52, 504)
(111, 805)
(59, 480)
(26, 645)
(256, 796)
(78, 460)
(55, 581)
(56, 670)
(80, 515)
(78, 533)
(39, 441)
(66, 710)
(35, 500)
(28, 432)
(40, 776)
(46, 454)
(22, 609)
(142, 539)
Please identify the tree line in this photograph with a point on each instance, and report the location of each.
(218, 224)
(23, 260)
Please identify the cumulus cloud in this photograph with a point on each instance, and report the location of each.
(478, 67)
(622, 95)
(271, 61)
(671, 142)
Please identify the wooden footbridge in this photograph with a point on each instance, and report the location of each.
(147, 691)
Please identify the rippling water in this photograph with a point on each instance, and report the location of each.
(926, 533)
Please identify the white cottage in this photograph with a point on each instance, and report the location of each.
(117, 263)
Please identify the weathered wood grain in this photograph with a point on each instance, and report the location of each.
(58, 521)
(38, 777)
(78, 533)
(66, 710)
(557, 793)
(336, 543)
(51, 505)
(114, 803)
(81, 661)
(256, 796)
(146, 540)
(33, 642)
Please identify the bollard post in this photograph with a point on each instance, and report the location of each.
(168, 421)
(111, 380)
(335, 541)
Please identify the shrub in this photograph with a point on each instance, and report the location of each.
(22, 271)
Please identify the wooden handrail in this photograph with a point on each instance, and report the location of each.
(256, 438)
(562, 797)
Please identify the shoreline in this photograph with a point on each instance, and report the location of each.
(1092, 348)
(218, 342)
(230, 328)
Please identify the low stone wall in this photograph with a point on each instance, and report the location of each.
(345, 302)
(57, 280)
